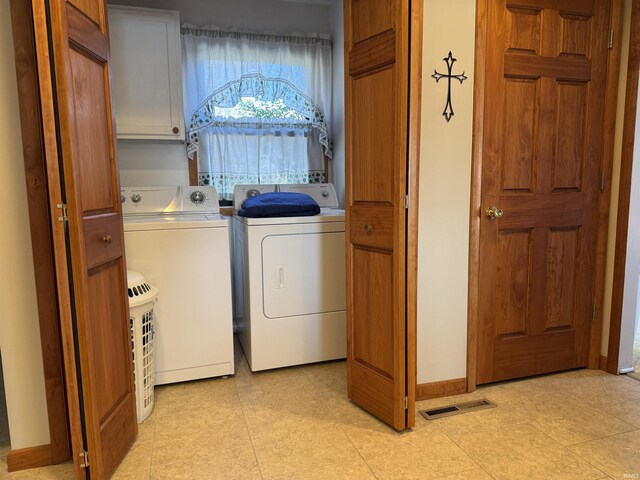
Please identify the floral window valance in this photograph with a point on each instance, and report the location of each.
(309, 115)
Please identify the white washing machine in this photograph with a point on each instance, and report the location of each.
(176, 237)
(289, 281)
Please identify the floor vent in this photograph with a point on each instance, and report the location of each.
(456, 409)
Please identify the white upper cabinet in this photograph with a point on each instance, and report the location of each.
(147, 73)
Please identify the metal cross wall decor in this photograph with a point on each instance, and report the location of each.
(449, 60)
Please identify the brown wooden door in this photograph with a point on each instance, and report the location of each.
(546, 63)
(78, 40)
(381, 343)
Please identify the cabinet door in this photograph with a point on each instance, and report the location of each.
(147, 73)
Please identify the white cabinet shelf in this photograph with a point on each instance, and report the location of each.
(147, 73)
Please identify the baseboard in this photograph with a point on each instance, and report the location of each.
(24, 458)
(425, 391)
(603, 363)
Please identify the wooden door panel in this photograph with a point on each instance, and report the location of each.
(519, 118)
(525, 30)
(374, 138)
(545, 76)
(522, 356)
(92, 136)
(574, 6)
(515, 251)
(372, 227)
(91, 9)
(576, 35)
(561, 281)
(373, 335)
(373, 54)
(102, 243)
(529, 66)
(106, 303)
(82, 31)
(551, 210)
(367, 21)
(569, 154)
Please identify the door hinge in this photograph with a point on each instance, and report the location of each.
(593, 312)
(406, 403)
(406, 201)
(611, 38)
(603, 179)
(84, 459)
(63, 209)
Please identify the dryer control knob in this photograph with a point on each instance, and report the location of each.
(325, 194)
(253, 193)
(197, 197)
(135, 198)
(122, 199)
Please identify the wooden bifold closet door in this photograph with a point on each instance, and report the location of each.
(72, 49)
(383, 60)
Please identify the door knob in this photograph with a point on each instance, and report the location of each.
(493, 213)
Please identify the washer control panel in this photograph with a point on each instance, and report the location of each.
(169, 200)
(203, 198)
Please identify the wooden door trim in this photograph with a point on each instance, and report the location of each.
(611, 100)
(476, 192)
(40, 45)
(444, 388)
(476, 187)
(58, 450)
(415, 112)
(624, 195)
(30, 457)
(192, 163)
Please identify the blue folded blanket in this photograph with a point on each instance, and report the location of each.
(279, 204)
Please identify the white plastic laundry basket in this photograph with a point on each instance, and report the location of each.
(142, 298)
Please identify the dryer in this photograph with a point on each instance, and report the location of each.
(176, 237)
(289, 281)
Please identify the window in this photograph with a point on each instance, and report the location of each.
(255, 107)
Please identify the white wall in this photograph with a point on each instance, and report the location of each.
(255, 15)
(19, 327)
(337, 104)
(152, 163)
(445, 182)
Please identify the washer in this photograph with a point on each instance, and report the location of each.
(176, 237)
(289, 281)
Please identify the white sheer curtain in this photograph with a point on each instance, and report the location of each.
(223, 68)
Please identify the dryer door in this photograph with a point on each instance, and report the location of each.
(303, 274)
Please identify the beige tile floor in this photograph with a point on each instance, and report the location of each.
(297, 424)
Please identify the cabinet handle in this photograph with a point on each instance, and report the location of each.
(107, 239)
(175, 130)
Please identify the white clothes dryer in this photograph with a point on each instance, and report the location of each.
(289, 281)
(178, 239)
